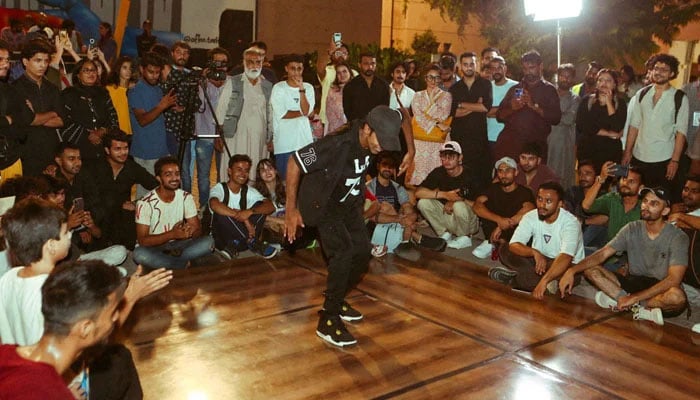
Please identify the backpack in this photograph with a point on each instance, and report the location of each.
(677, 99)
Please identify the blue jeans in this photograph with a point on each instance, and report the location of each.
(281, 164)
(204, 149)
(174, 254)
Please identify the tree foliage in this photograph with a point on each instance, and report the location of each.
(424, 46)
(610, 31)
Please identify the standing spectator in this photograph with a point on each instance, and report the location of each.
(413, 75)
(89, 112)
(528, 111)
(400, 95)
(328, 69)
(431, 113)
(627, 85)
(599, 122)
(145, 40)
(562, 140)
(658, 127)
(14, 35)
(179, 119)
(245, 112)
(292, 102)
(146, 106)
(692, 90)
(73, 36)
(119, 81)
(365, 91)
(335, 116)
(488, 54)
(205, 125)
(448, 75)
(499, 87)
(588, 85)
(168, 231)
(471, 100)
(44, 100)
(107, 43)
(267, 72)
(12, 115)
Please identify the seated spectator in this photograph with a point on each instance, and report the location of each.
(394, 215)
(239, 212)
(658, 258)
(114, 176)
(446, 196)
(532, 172)
(594, 226)
(557, 243)
(168, 231)
(270, 184)
(501, 207)
(73, 304)
(38, 238)
(622, 206)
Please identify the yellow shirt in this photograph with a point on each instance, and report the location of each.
(118, 95)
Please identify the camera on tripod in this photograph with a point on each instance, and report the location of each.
(216, 70)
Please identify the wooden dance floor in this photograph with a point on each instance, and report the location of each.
(435, 329)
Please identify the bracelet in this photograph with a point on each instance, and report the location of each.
(302, 90)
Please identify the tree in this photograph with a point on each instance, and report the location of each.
(609, 31)
(425, 45)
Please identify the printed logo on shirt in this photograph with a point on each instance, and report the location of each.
(308, 157)
(352, 183)
(547, 238)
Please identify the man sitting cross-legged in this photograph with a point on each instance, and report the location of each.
(168, 231)
(658, 258)
(239, 212)
(394, 214)
(557, 243)
(501, 207)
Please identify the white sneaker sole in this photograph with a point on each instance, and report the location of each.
(351, 319)
(330, 340)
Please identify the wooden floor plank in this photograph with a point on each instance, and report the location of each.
(506, 378)
(633, 359)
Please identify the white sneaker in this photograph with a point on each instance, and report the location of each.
(483, 250)
(650, 314)
(447, 236)
(696, 328)
(553, 286)
(605, 301)
(460, 242)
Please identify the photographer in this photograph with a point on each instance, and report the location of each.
(205, 125)
(446, 198)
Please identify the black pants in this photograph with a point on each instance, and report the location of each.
(655, 175)
(229, 231)
(347, 246)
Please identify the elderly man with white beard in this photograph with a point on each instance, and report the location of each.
(245, 113)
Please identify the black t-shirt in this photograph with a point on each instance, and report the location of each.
(507, 204)
(438, 179)
(388, 194)
(472, 127)
(335, 165)
(359, 99)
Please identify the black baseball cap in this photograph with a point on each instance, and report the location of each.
(386, 123)
(659, 192)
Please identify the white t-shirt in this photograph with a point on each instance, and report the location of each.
(499, 92)
(293, 133)
(5, 263)
(695, 213)
(234, 199)
(21, 320)
(406, 97)
(161, 216)
(562, 236)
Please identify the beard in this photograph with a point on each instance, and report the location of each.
(252, 73)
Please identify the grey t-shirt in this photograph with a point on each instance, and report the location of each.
(649, 257)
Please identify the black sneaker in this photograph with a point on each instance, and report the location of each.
(432, 243)
(407, 252)
(502, 274)
(333, 330)
(263, 249)
(347, 313)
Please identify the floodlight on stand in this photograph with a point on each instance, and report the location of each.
(543, 10)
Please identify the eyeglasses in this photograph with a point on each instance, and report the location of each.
(88, 70)
(432, 77)
(662, 69)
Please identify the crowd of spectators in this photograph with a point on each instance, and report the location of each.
(598, 179)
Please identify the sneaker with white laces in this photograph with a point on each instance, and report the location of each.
(460, 242)
(650, 314)
(332, 329)
(502, 274)
(447, 236)
(605, 301)
(696, 328)
(483, 250)
(347, 313)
